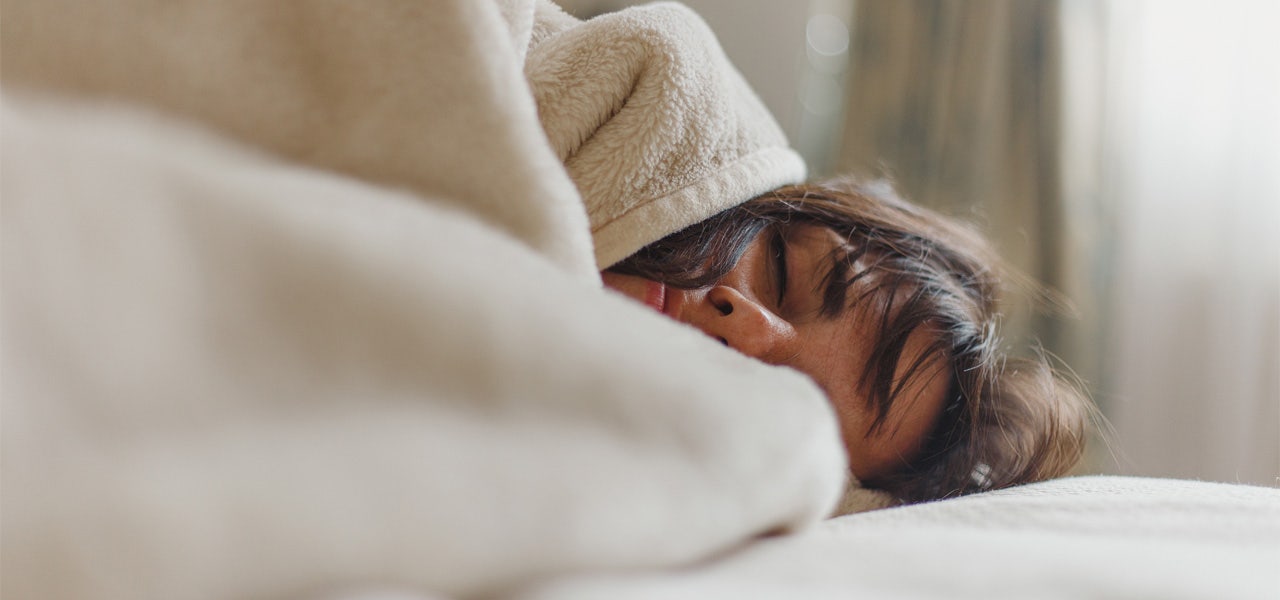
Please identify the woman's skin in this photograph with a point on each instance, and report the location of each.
(768, 307)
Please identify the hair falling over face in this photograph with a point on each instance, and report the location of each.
(1005, 421)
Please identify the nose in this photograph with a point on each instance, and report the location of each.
(744, 324)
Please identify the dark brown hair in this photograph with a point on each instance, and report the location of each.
(1006, 420)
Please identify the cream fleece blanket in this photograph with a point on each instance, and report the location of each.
(654, 124)
(425, 96)
(230, 378)
(298, 296)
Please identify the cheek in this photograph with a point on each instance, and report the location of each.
(914, 416)
(863, 458)
(629, 285)
(872, 456)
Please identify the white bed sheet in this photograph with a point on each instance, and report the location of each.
(1085, 537)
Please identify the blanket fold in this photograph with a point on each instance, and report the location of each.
(429, 97)
(226, 377)
(656, 127)
(297, 296)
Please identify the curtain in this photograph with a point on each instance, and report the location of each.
(1176, 122)
(958, 103)
(1127, 155)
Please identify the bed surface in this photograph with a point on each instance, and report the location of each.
(1084, 537)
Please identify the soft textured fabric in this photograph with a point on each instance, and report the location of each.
(1086, 537)
(298, 297)
(226, 377)
(656, 127)
(427, 96)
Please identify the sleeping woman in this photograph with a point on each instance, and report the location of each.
(697, 209)
(892, 310)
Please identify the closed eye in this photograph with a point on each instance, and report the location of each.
(780, 265)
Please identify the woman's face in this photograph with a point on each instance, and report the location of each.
(769, 307)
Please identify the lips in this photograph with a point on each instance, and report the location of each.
(655, 296)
